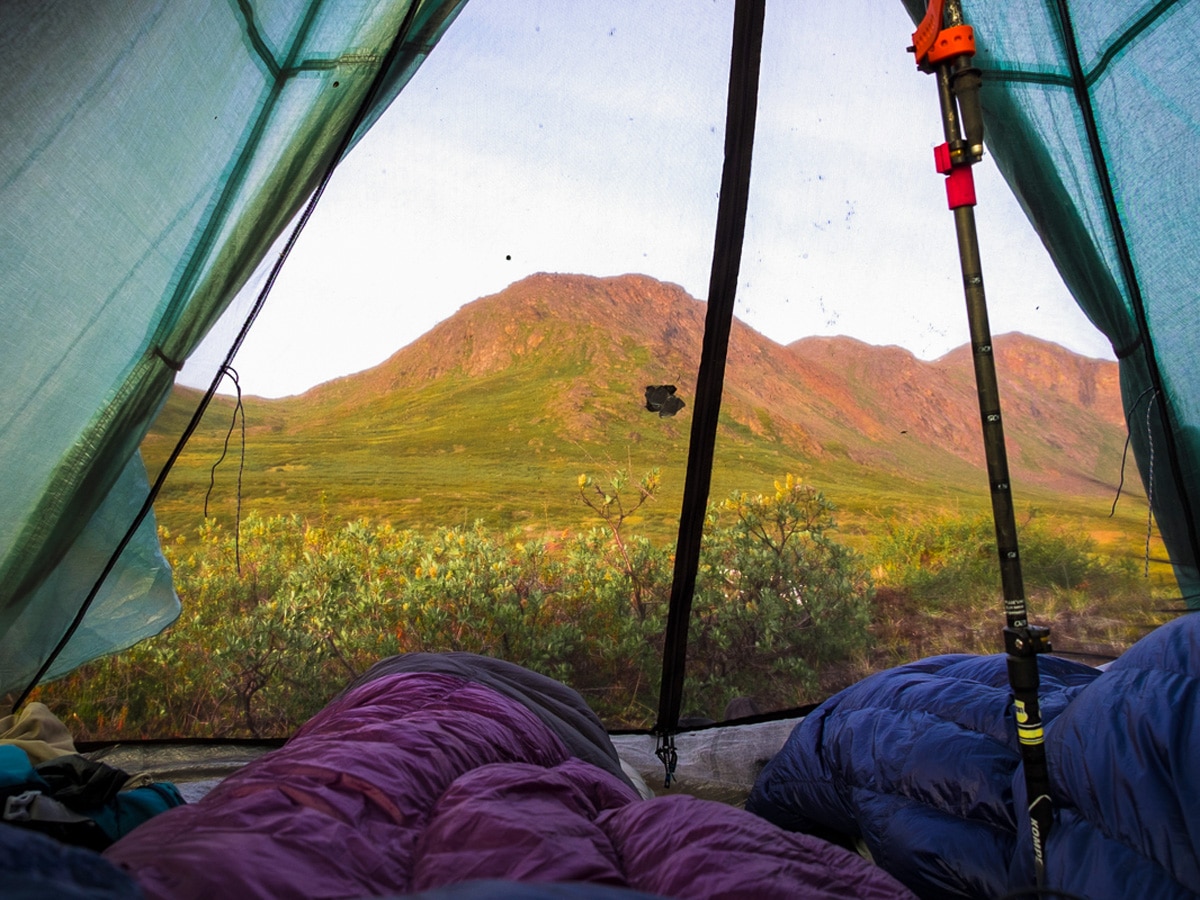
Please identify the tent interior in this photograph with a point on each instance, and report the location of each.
(163, 160)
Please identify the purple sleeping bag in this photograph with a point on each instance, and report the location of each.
(414, 781)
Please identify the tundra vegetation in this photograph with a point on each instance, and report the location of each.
(281, 612)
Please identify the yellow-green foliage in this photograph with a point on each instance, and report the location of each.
(939, 589)
(258, 651)
(280, 616)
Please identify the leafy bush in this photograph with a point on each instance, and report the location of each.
(953, 560)
(782, 613)
(939, 589)
(777, 600)
(260, 648)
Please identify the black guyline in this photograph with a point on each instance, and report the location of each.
(1125, 452)
(360, 115)
(238, 410)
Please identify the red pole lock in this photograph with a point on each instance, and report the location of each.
(960, 182)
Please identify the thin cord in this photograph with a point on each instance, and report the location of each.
(237, 532)
(1121, 483)
(1125, 452)
(1149, 473)
(343, 146)
(238, 409)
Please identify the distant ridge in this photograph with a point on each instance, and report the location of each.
(543, 316)
(547, 378)
(821, 394)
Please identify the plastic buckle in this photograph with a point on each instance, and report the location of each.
(19, 808)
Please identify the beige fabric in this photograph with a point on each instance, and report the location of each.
(38, 732)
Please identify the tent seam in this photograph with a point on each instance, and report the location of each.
(1118, 45)
(257, 41)
(1128, 273)
(360, 115)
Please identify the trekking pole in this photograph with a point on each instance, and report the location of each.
(944, 45)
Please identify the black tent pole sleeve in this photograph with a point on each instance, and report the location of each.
(740, 115)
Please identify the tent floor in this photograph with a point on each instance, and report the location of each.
(716, 763)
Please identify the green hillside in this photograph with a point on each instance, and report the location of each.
(494, 414)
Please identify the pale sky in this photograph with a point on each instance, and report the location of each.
(586, 136)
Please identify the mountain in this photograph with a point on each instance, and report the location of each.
(1063, 419)
(494, 412)
(820, 396)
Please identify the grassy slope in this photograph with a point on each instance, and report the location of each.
(494, 415)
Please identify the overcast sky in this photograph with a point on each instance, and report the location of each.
(586, 136)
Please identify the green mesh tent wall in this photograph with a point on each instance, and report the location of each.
(153, 154)
(1091, 112)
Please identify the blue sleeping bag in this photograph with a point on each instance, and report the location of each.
(921, 762)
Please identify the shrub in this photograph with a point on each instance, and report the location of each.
(277, 622)
(777, 600)
(940, 590)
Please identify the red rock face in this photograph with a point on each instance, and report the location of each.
(586, 340)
